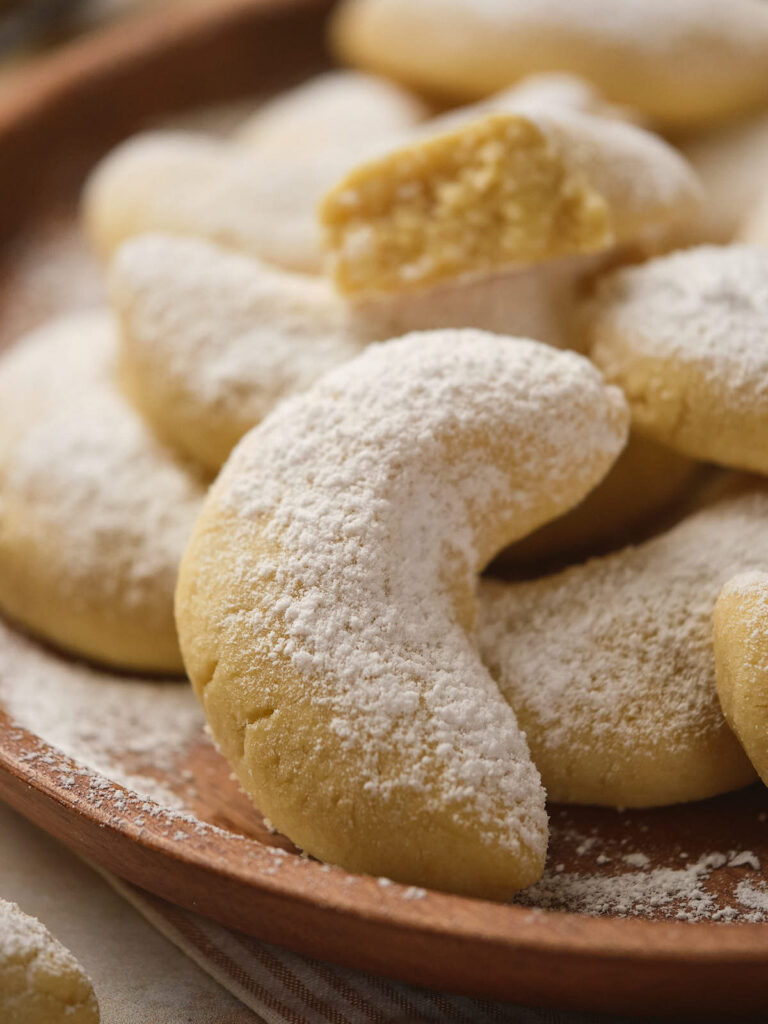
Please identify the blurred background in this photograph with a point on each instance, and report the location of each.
(29, 27)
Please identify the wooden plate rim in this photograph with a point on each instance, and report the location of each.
(307, 882)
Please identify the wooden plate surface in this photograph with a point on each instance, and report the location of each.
(222, 860)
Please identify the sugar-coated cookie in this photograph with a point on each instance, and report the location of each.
(509, 188)
(679, 62)
(325, 599)
(212, 340)
(686, 338)
(40, 980)
(349, 109)
(610, 666)
(647, 481)
(256, 192)
(94, 512)
(741, 640)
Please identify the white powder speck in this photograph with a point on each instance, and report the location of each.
(637, 860)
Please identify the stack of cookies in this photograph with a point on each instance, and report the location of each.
(499, 296)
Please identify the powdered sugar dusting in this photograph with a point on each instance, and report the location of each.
(615, 656)
(83, 463)
(104, 722)
(41, 979)
(661, 29)
(233, 333)
(680, 893)
(705, 308)
(374, 486)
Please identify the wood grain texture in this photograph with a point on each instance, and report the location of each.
(52, 126)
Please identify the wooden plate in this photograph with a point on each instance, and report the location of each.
(62, 116)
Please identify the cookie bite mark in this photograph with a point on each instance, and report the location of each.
(477, 192)
(489, 194)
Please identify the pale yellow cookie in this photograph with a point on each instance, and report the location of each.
(679, 62)
(40, 980)
(646, 481)
(211, 340)
(257, 192)
(505, 190)
(325, 600)
(610, 667)
(94, 512)
(346, 109)
(686, 338)
(741, 640)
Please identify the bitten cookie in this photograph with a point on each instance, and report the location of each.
(325, 600)
(40, 980)
(500, 190)
(610, 666)
(211, 340)
(257, 191)
(94, 512)
(741, 638)
(679, 62)
(686, 338)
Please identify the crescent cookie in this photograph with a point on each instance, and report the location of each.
(211, 340)
(255, 193)
(686, 338)
(94, 512)
(325, 600)
(503, 189)
(609, 665)
(679, 62)
(40, 980)
(741, 635)
(344, 109)
(647, 481)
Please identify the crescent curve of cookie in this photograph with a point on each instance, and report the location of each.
(325, 600)
(741, 636)
(610, 668)
(504, 189)
(40, 980)
(253, 192)
(212, 340)
(679, 62)
(95, 512)
(684, 336)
